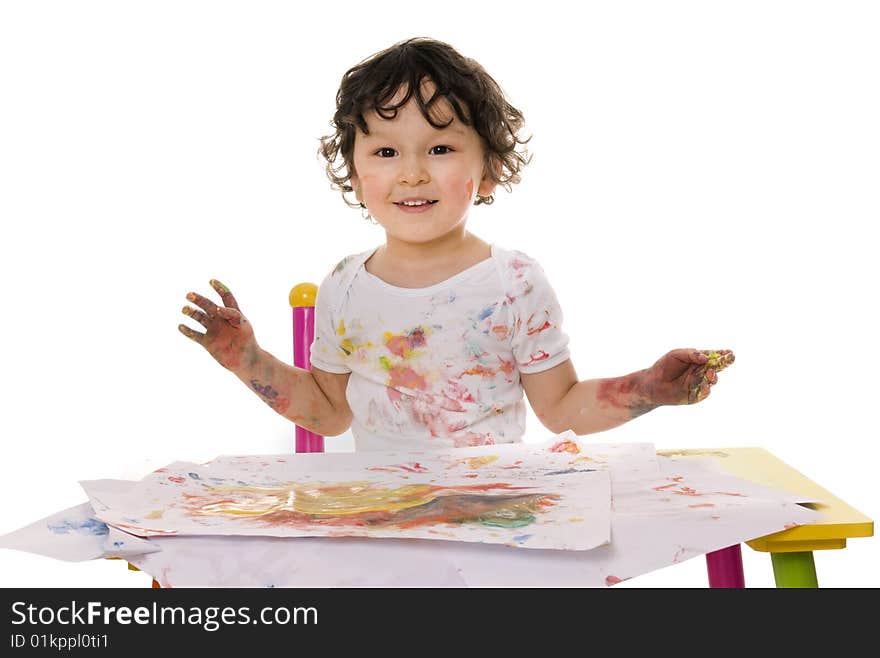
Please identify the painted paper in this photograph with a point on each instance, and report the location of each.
(526, 497)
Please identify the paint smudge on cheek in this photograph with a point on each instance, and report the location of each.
(371, 187)
(469, 190)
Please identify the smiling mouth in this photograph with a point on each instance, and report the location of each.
(417, 205)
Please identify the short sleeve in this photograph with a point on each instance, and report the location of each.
(538, 342)
(326, 353)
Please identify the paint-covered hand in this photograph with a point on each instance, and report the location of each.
(685, 376)
(229, 337)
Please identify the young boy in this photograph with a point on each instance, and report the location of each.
(430, 339)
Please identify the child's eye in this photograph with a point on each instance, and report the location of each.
(388, 152)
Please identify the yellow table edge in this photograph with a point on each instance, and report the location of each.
(840, 520)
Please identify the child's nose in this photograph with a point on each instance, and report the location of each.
(413, 171)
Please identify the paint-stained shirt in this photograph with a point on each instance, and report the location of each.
(438, 366)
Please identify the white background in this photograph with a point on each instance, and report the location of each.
(705, 174)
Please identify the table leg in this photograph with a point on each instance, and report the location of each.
(794, 569)
(725, 567)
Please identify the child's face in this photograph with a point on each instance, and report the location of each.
(407, 158)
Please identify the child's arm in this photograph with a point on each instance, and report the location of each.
(562, 402)
(313, 399)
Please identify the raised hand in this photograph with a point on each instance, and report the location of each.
(685, 376)
(229, 337)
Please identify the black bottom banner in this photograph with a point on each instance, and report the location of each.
(112, 621)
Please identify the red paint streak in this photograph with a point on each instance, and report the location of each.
(612, 580)
(702, 505)
(540, 355)
(518, 264)
(687, 491)
(177, 479)
(394, 395)
(455, 393)
(538, 330)
(500, 331)
(675, 481)
(415, 467)
(469, 190)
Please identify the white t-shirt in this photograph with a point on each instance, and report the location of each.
(439, 366)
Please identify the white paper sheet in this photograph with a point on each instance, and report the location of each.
(74, 535)
(664, 511)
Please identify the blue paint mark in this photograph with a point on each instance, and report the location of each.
(195, 476)
(118, 544)
(486, 312)
(570, 470)
(451, 296)
(519, 539)
(79, 526)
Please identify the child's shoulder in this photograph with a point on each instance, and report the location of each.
(515, 263)
(522, 276)
(349, 264)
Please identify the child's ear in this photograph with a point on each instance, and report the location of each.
(355, 185)
(487, 183)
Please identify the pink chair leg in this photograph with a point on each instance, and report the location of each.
(725, 567)
(303, 334)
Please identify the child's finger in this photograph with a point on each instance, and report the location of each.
(231, 315)
(704, 391)
(192, 335)
(719, 359)
(712, 376)
(198, 316)
(204, 303)
(225, 294)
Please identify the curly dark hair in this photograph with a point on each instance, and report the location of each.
(474, 96)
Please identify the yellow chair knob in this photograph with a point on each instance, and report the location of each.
(303, 294)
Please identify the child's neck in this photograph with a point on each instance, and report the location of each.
(419, 265)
